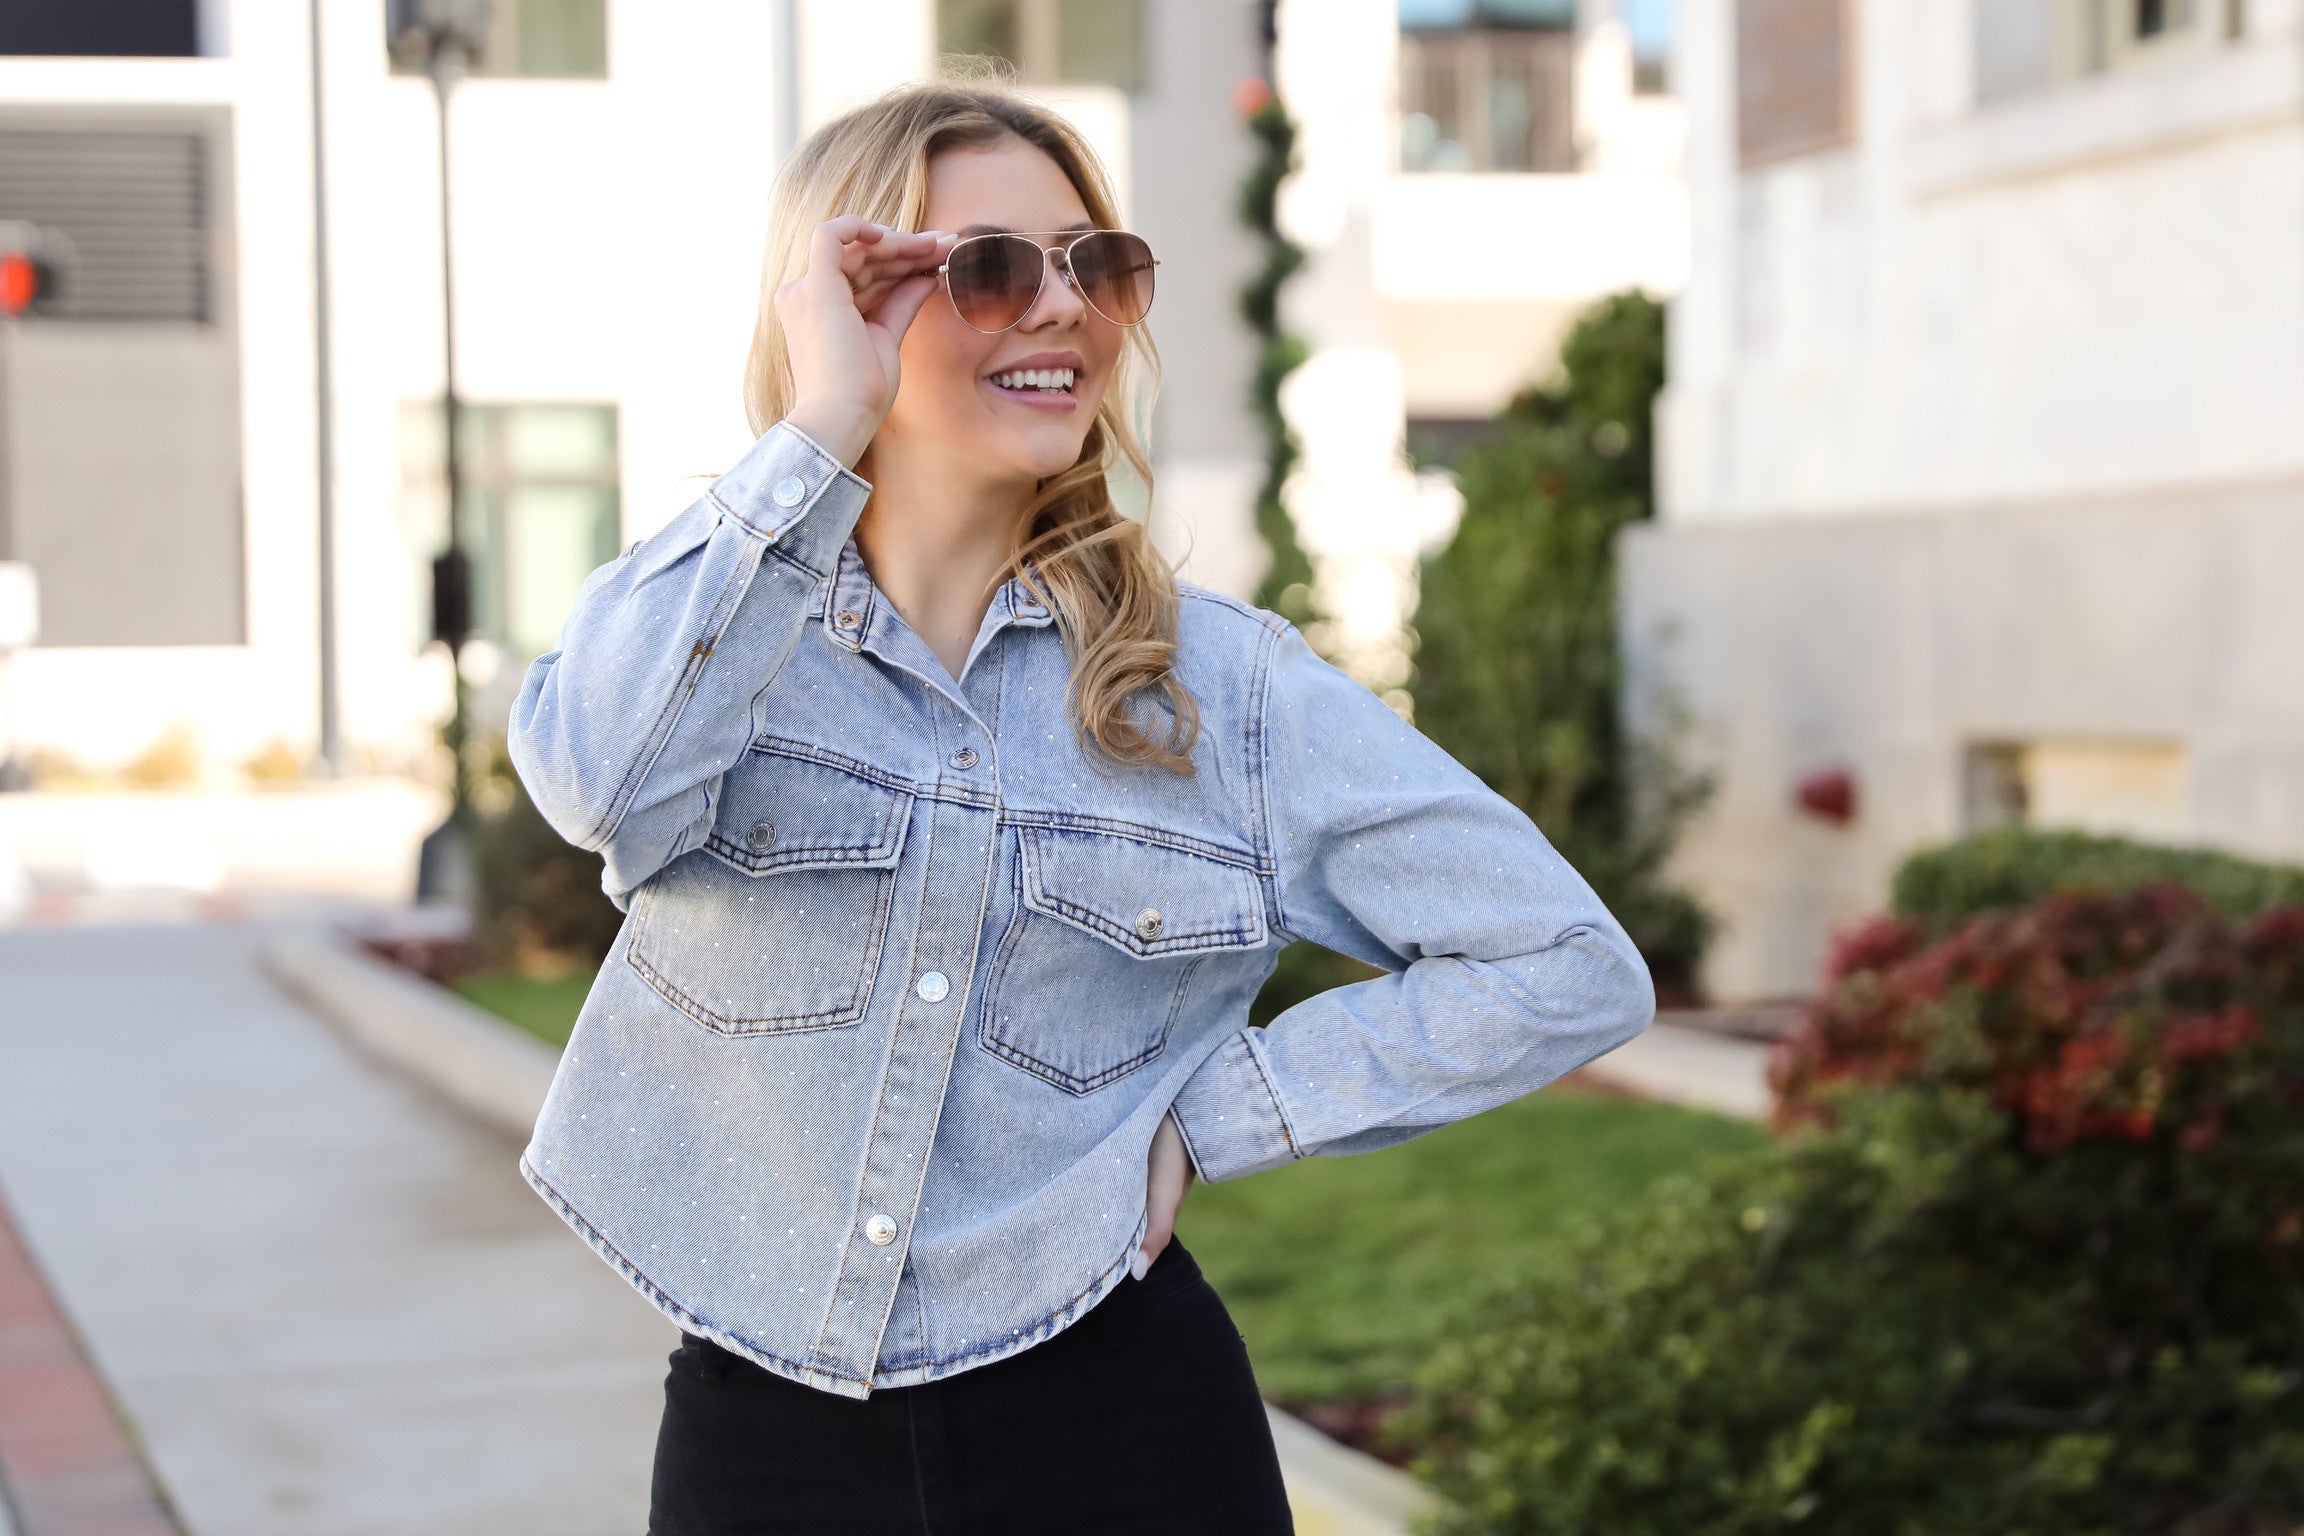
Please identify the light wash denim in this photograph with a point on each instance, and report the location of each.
(907, 979)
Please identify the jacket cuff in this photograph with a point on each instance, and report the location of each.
(789, 491)
(1230, 1118)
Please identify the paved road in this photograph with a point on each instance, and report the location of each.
(329, 1304)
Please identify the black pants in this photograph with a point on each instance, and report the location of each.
(1141, 1416)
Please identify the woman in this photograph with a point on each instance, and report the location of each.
(954, 839)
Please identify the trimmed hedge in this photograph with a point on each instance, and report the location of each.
(2015, 867)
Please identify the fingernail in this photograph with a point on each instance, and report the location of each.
(1138, 1263)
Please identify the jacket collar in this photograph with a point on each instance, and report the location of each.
(852, 611)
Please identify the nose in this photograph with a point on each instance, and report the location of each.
(1058, 303)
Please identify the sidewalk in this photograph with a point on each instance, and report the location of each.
(327, 1302)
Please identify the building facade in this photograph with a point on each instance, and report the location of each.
(1474, 173)
(1982, 463)
(610, 164)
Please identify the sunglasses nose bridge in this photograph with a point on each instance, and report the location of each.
(1059, 259)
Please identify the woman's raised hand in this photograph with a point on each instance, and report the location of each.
(844, 320)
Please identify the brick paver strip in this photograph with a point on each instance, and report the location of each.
(66, 1465)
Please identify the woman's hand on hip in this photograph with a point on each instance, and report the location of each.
(1167, 1176)
(844, 320)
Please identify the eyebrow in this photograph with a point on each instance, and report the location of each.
(1001, 229)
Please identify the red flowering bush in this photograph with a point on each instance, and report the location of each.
(2143, 1017)
(2026, 1260)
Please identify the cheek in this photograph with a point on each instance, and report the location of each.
(940, 358)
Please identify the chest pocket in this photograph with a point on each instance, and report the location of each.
(1097, 962)
(776, 923)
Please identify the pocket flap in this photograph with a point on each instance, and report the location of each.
(1141, 897)
(779, 812)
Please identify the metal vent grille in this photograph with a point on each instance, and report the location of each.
(132, 208)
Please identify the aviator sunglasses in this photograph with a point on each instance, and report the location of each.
(994, 280)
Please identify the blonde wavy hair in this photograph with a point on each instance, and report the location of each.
(1113, 595)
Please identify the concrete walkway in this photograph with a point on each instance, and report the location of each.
(326, 1301)
(1684, 1065)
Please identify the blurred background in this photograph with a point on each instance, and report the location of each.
(1837, 464)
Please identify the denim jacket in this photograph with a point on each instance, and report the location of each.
(907, 979)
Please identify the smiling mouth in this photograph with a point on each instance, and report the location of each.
(1036, 381)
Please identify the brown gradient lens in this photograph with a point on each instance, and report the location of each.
(1114, 270)
(993, 279)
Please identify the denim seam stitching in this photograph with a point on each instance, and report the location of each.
(773, 1024)
(1157, 837)
(1036, 1331)
(649, 1288)
(1037, 896)
(715, 621)
(1279, 1110)
(1257, 747)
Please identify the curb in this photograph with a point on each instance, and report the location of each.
(1334, 1490)
(494, 1071)
(499, 1073)
(70, 1461)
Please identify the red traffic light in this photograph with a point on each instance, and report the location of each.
(23, 283)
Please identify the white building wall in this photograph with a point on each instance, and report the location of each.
(1986, 428)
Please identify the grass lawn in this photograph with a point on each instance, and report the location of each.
(546, 1007)
(1341, 1270)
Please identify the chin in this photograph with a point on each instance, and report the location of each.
(1043, 454)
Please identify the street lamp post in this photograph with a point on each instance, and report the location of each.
(447, 35)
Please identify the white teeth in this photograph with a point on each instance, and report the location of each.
(1058, 379)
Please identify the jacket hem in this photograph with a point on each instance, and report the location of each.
(815, 1376)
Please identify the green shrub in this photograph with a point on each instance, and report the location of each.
(1518, 672)
(540, 908)
(2025, 1263)
(2016, 866)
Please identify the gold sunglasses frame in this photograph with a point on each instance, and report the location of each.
(1063, 250)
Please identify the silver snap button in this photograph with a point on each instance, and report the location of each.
(761, 836)
(933, 986)
(880, 1231)
(847, 618)
(788, 491)
(1149, 923)
(964, 759)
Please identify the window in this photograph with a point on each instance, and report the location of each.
(2133, 789)
(541, 508)
(1794, 90)
(120, 447)
(101, 28)
(1056, 42)
(126, 213)
(1486, 99)
(2024, 45)
(1650, 23)
(538, 40)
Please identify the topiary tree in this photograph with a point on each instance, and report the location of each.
(2027, 1260)
(1517, 666)
(1287, 582)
